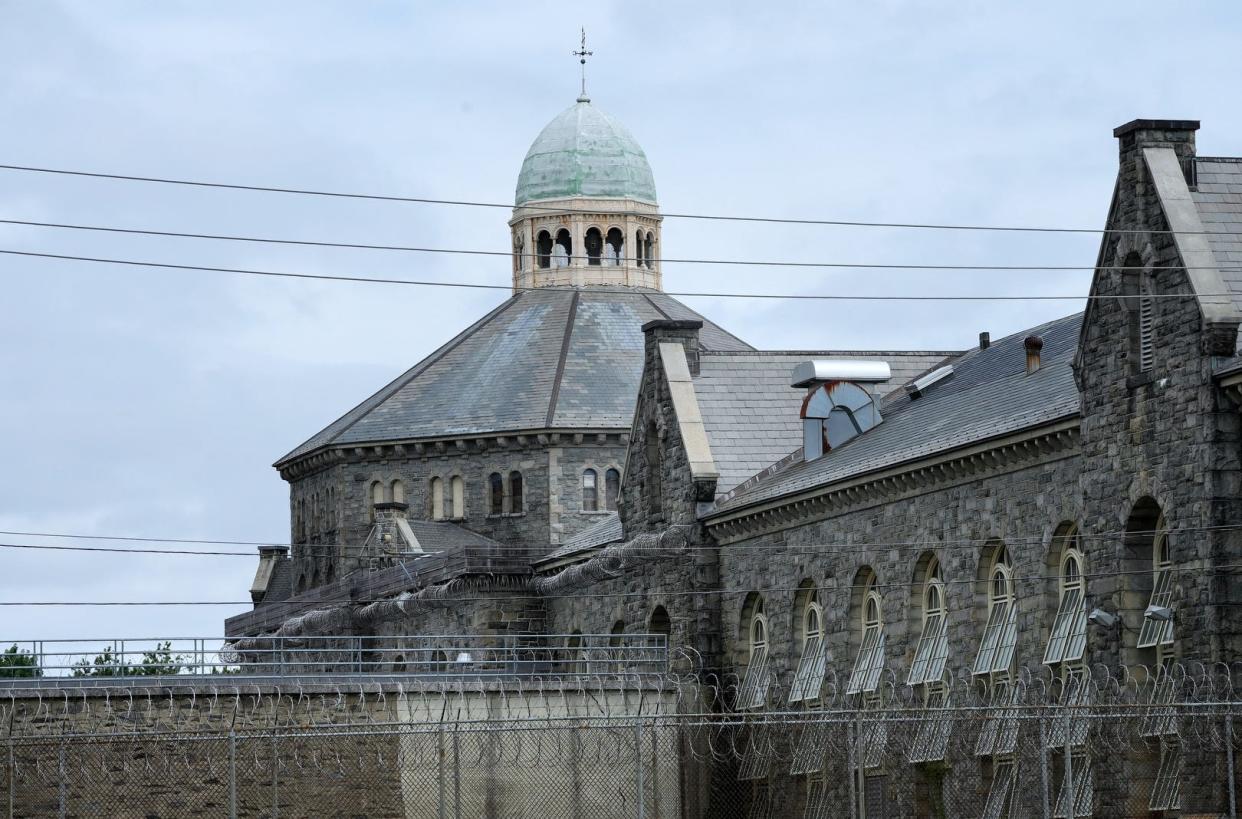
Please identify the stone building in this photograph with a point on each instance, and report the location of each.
(1063, 499)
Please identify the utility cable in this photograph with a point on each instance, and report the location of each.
(533, 207)
(607, 289)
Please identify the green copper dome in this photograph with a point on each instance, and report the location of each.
(584, 152)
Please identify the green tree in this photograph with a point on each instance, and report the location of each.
(110, 663)
(17, 663)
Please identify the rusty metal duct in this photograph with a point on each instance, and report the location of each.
(840, 369)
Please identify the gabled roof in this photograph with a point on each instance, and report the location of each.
(607, 530)
(1218, 199)
(989, 395)
(751, 413)
(555, 358)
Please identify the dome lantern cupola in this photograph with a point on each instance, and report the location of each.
(585, 209)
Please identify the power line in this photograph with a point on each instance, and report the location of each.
(603, 289)
(585, 259)
(477, 204)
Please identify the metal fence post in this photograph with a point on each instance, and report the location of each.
(443, 773)
(275, 778)
(1043, 764)
(857, 796)
(12, 772)
(1067, 778)
(1233, 797)
(232, 775)
(62, 796)
(638, 768)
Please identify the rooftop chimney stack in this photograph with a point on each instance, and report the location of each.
(1033, 346)
(985, 340)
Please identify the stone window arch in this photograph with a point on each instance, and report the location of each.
(612, 488)
(458, 486)
(495, 494)
(543, 249)
(931, 653)
(1000, 631)
(593, 243)
(813, 651)
(869, 628)
(649, 250)
(563, 249)
(377, 496)
(660, 623)
(754, 689)
(614, 250)
(437, 498)
(590, 490)
(517, 493)
(397, 489)
(1067, 635)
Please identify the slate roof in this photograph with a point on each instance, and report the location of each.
(607, 530)
(442, 536)
(515, 369)
(751, 413)
(1218, 199)
(988, 395)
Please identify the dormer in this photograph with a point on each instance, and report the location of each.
(837, 406)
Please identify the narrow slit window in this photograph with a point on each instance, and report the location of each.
(1158, 632)
(495, 494)
(459, 497)
(517, 501)
(612, 489)
(437, 499)
(590, 491)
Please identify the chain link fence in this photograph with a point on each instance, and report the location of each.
(1017, 761)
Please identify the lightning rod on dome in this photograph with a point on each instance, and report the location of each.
(582, 54)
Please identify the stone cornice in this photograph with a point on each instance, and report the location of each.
(428, 448)
(996, 456)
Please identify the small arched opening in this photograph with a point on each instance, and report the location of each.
(543, 249)
(593, 242)
(563, 250)
(495, 494)
(517, 501)
(615, 250)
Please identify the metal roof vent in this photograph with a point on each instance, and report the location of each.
(918, 386)
(840, 369)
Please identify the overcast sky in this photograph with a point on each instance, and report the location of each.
(152, 403)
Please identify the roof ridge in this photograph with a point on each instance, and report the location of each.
(833, 352)
(1218, 158)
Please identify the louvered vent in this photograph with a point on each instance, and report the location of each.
(1146, 347)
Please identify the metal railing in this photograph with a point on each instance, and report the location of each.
(38, 662)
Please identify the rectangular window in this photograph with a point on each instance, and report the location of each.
(756, 758)
(754, 693)
(1004, 774)
(1084, 790)
(1166, 790)
(819, 803)
(999, 734)
(1158, 632)
(810, 674)
(1000, 636)
(869, 664)
(1068, 640)
(936, 725)
(1075, 698)
(812, 747)
(932, 651)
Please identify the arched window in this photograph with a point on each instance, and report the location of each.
(563, 250)
(638, 248)
(377, 496)
(1000, 634)
(660, 623)
(459, 497)
(612, 488)
(517, 500)
(543, 249)
(519, 253)
(814, 658)
(1157, 630)
(437, 499)
(655, 476)
(575, 655)
(649, 250)
(495, 494)
(398, 492)
(615, 241)
(590, 491)
(1067, 640)
(754, 691)
(932, 652)
(594, 244)
(865, 678)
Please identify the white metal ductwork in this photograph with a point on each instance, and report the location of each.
(840, 369)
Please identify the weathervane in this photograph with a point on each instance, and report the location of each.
(582, 54)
